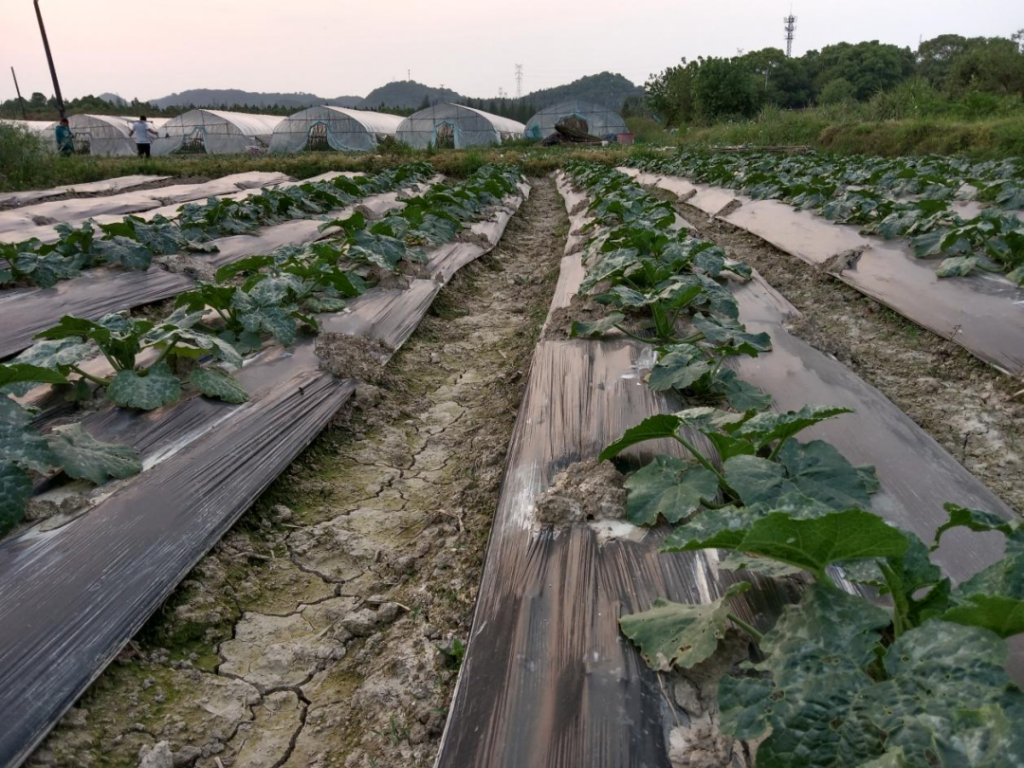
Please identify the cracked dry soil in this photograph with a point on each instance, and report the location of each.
(969, 408)
(320, 631)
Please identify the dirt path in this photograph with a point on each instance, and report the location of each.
(967, 406)
(323, 631)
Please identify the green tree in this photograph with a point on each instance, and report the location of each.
(837, 91)
(723, 88)
(935, 57)
(990, 65)
(670, 93)
(869, 66)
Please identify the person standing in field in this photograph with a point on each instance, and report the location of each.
(65, 138)
(142, 132)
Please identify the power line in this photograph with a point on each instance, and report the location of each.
(519, 81)
(790, 22)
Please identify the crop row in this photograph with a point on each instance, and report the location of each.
(840, 680)
(909, 198)
(133, 242)
(213, 328)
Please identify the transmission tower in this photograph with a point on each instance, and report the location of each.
(519, 81)
(790, 29)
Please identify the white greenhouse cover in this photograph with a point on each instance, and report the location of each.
(601, 121)
(41, 128)
(107, 135)
(326, 127)
(215, 132)
(464, 126)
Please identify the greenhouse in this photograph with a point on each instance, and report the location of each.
(326, 128)
(106, 135)
(576, 119)
(456, 126)
(215, 132)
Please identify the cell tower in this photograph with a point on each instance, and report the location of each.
(790, 29)
(519, 81)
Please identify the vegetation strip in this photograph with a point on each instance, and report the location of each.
(387, 516)
(775, 501)
(911, 198)
(982, 314)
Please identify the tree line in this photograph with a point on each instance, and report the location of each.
(945, 69)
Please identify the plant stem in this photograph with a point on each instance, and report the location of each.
(166, 351)
(703, 461)
(758, 636)
(90, 377)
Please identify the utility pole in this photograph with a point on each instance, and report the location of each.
(21, 101)
(790, 22)
(519, 81)
(49, 60)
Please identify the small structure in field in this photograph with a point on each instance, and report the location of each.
(577, 121)
(215, 132)
(106, 135)
(326, 128)
(455, 126)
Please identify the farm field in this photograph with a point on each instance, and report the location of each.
(518, 459)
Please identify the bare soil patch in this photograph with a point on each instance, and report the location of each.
(321, 631)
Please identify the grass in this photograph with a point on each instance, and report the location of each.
(844, 131)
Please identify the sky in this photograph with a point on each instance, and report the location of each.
(153, 48)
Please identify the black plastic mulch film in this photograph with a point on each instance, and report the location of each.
(73, 596)
(548, 681)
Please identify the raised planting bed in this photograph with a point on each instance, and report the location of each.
(550, 680)
(79, 585)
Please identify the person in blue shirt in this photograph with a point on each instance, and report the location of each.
(65, 138)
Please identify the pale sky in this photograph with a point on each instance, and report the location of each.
(348, 47)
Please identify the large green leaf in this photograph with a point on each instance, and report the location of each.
(19, 442)
(683, 365)
(83, 457)
(732, 334)
(52, 354)
(957, 266)
(15, 488)
(765, 428)
(651, 428)
(977, 520)
(945, 699)
(596, 327)
(669, 487)
(125, 252)
(673, 635)
(815, 470)
(157, 388)
(811, 544)
(741, 395)
(999, 614)
(18, 373)
(218, 383)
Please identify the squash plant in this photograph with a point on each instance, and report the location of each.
(900, 197)
(840, 680)
(25, 453)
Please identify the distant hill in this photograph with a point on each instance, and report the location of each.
(608, 89)
(208, 97)
(113, 98)
(408, 94)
